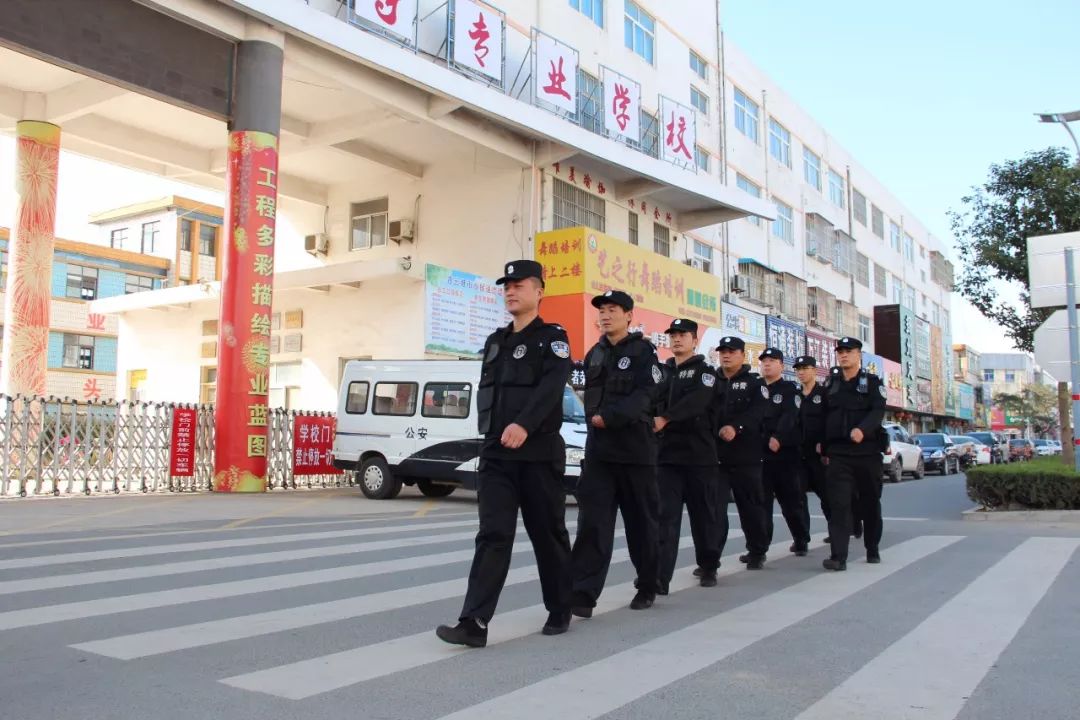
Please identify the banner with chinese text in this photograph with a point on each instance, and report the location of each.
(924, 365)
(622, 101)
(790, 338)
(478, 39)
(462, 310)
(243, 360)
(678, 132)
(894, 384)
(396, 17)
(875, 364)
(938, 385)
(555, 74)
(823, 349)
(965, 400)
(313, 446)
(907, 357)
(182, 442)
(748, 325)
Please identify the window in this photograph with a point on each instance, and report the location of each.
(701, 157)
(356, 400)
(858, 206)
(1010, 376)
(894, 236)
(592, 9)
(137, 283)
(368, 224)
(897, 289)
(779, 142)
(812, 168)
(284, 385)
(650, 134)
(633, 228)
(118, 238)
(185, 235)
(3, 270)
(864, 328)
(661, 240)
(208, 240)
(395, 399)
(936, 314)
(749, 188)
(746, 115)
(877, 221)
(573, 207)
(699, 65)
(836, 189)
(880, 281)
(589, 103)
(909, 297)
(78, 351)
(923, 300)
(922, 274)
(699, 100)
(862, 269)
(207, 385)
(922, 251)
(783, 227)
(446, 400)
(909, 248)
(640, 31)
(82, 282)
(988, 376)
(704, 254)
(150, 233)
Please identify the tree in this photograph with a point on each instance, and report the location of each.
(1036, 405)
(1038, 195)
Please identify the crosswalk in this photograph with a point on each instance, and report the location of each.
(272, 618)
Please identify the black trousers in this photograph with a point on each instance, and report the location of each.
(781, 477)
(537, 488)
(850, 481)
(606, 488)
(697, 487)
(813, 478)
(749, 492)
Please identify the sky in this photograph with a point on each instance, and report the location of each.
(927, 95)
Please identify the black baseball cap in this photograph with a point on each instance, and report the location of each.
(682, 325)
(614, 297)
(805, 361)
(730, 342)
(521, 269)
(849, 343)
(771, 353)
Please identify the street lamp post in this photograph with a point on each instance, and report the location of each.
(1064, 119)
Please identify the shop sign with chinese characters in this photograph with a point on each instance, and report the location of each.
(555, 73)
(313, 446)
(622, 97)
(678, 132)
(182, 443)
(478, 39)
(395, 17)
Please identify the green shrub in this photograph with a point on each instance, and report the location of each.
(1041, 484)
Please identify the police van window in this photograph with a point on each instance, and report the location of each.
(395, 399)
(356, 401)
(446, 400)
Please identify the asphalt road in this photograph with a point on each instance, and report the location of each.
(323, 605)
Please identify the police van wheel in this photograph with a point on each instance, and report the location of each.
(376, 480)
(434, 490)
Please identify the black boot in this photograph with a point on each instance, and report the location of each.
(834, 564)
(557, 623)
(755, 562)
(642, 601)
(708, 579)
(873, 557)
(467, 632)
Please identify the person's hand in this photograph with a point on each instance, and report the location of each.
(727, 433)
(856, 436)
(514, 436)
(598, 422)
(774, 444)
(659, 423)
(824, 460)
(818, 448)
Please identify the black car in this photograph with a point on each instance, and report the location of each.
(939, 453)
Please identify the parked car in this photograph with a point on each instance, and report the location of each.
(1057, 446)
(1045, 447)
(965, 449)
(980, 454)
(1021, 449)
(938, 452)
(999, 446)
(903, 455)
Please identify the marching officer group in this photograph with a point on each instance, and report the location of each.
(661, 437)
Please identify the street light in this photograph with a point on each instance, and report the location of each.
(1064, 119)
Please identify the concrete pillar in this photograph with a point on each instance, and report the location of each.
(243, 381)
(30, 254)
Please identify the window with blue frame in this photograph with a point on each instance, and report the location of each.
(640, 30)
(592, 9)
(82, 282)
(650, 134)
(590, 115)
(699, 66)
(746, 115)
(137, 283)
(701, 157)
(699, 100)
(79, 351)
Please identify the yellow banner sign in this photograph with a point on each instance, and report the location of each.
(580, 260)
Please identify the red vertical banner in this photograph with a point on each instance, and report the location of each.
(313, 446)
(182, 444)
(241, 415)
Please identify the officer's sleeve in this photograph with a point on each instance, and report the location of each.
(787, 429)
(696, 402)
(871, 424)
(548, 393)
(639, 403)
(754, 415)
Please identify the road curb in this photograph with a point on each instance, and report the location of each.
(1057, 517)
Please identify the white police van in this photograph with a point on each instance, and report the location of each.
(413, 422)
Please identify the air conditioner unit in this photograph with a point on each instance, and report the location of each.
(736, 285)
(317, 244)
(697, 264)
(400, 230)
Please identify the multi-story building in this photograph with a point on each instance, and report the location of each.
(83, 350)
(967, 370)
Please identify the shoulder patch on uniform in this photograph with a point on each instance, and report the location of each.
(798, 401)
(764, 392)
(817, 399)
(884, 393)
(519, 352)
(560, 349)
(657, 374)
(708, 379)
(624, 362)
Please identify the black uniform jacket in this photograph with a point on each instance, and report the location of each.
(849, 404)
(522, 381)
(687, 393)
(621, 386)
(740, 402)
(782, 417)
(812, 420)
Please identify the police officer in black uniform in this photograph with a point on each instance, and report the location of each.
(622, 377)
(739, 406)
(688, 473)
(522, 459)
(812, 432)
(854, 408)
(780, 470)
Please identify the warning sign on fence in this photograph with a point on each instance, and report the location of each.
(182, 446)
(313, 446)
